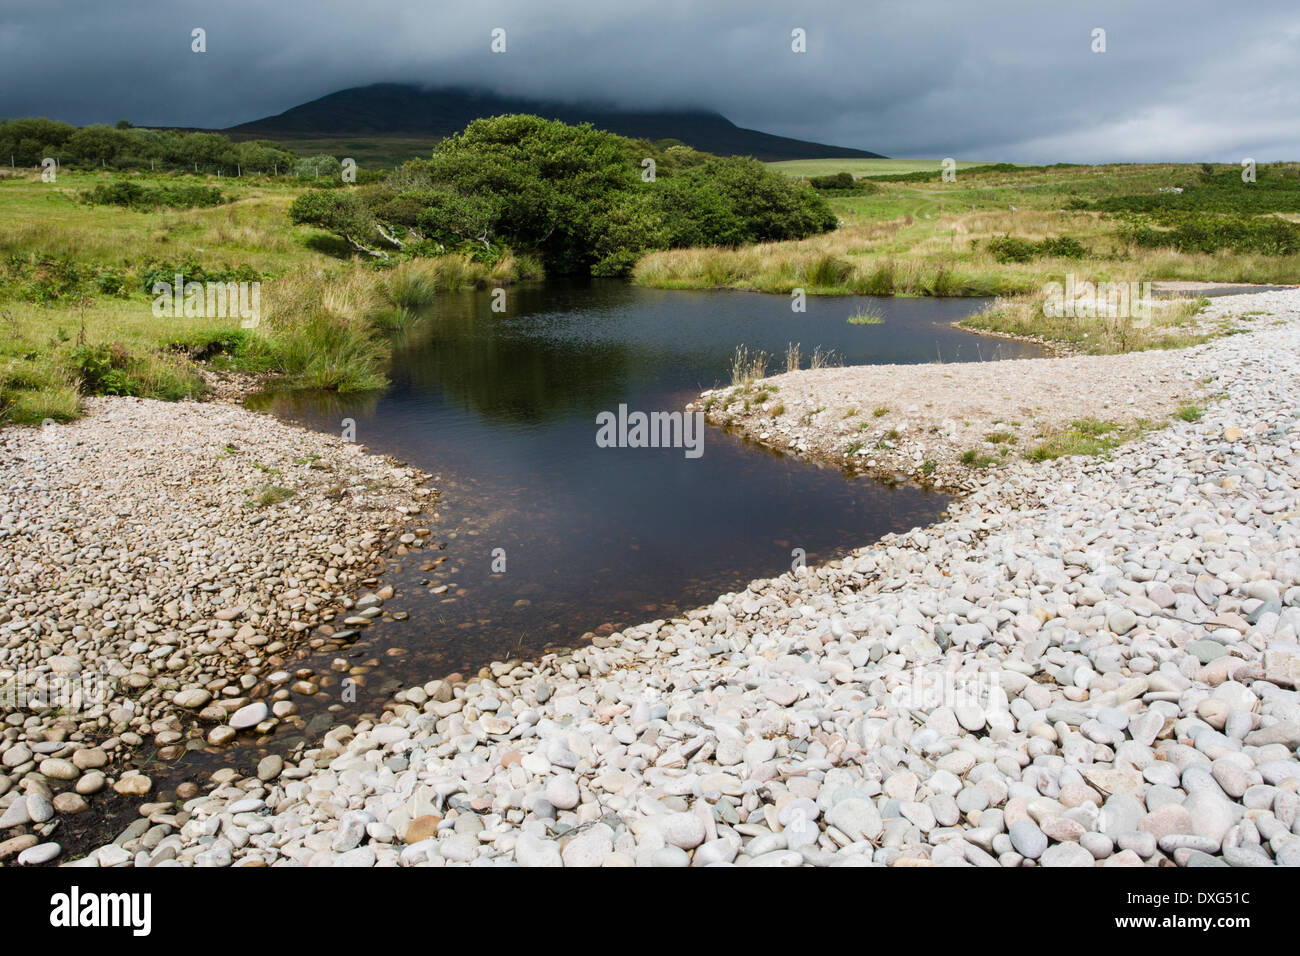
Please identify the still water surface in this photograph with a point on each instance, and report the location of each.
(502, 408)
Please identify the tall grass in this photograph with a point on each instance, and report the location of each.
(792, 359)
(320, 331)
(1172, 324)
(747, 366)
(824, 358)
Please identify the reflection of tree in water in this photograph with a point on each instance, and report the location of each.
(468, 355)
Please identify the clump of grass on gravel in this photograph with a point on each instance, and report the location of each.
(1086, 436)
(268, 495)
(973, 458)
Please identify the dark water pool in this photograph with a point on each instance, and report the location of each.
(502, 407)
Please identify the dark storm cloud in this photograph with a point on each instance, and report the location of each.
(1193, 80)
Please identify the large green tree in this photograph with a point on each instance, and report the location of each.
(580, 198)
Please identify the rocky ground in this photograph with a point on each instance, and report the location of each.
(1091, 662)
(159, 565)
(947, 425)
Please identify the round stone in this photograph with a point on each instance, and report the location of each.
(562, 792)
(1029, 841)
(135, 785)
(56, 768)
(249, 716)
(683, 830)
(41, 853)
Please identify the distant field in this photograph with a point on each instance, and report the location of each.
(374, 151)
(370, 151)
(863, 167)
(936, 238)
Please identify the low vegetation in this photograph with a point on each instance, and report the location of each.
(866, 316)
(1001, 230)
(1086, 436)
(76, 283)
(125, 192)
(1172, 323)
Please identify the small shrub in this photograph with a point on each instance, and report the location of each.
(1011, 249)
(133, 195)
(112, 282)
(840, 180)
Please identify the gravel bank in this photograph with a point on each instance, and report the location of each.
(159, 564)
(918, 421)
(1091, 662)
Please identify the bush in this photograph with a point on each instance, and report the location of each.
(1012, 249)
(112, 370)
(103, 369)
(157, 271)
(112, 282)
(133, 195)
(1276, 189)
(833, 181)
(1265, 235)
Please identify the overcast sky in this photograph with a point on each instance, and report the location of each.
(1191, 80)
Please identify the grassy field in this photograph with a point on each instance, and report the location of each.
(1009, 232)
(76, 311)
(861, 167)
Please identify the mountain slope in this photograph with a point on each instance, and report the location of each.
(392, 109)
